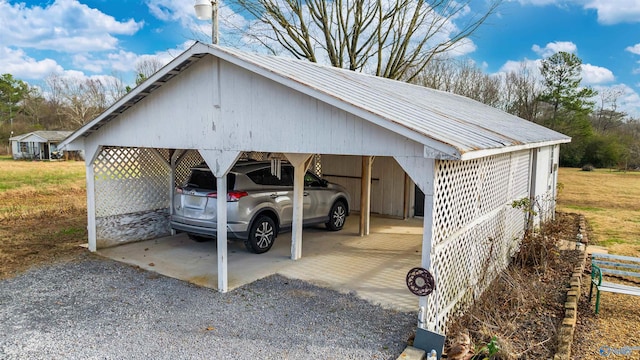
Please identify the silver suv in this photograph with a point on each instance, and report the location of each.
(259, 204)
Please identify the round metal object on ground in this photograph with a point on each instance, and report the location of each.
(420, 281)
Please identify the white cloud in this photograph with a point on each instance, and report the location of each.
(554, 47)
(64, 25)
(615, 11)
(171, 10)
(592, 74)
(21, 66)
(635, 49)
(517, 66)
(609, 11)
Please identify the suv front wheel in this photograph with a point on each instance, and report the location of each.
(261, 235)
(337, 216)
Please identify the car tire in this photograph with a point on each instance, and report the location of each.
(337, 216)
(198, 238)
(261, 235)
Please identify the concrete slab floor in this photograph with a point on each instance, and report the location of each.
(374, 267)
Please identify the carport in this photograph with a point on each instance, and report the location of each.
(218, 105)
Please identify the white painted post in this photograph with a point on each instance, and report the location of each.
(300, 164)
(221, 183)
(220, 162)
(422, 171)
(365, 195)
(427, 242)
(91, 206)
(91, 152)
(298, 213)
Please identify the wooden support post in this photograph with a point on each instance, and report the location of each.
(422, 172)
(91, 152)
(91, 207)
(300, 164)
(365, 195)
(406, 206)
(221, 184)
(220, 162)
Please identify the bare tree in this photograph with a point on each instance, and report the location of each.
(521, 92)
(439, 74)
(147, 66)
(78, 100)
(114, 86)
(607, 116)
(461, 77)
(34, 105)
(388, 38)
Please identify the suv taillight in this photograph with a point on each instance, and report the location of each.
(232, 196)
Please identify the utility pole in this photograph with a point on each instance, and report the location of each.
(205, 10)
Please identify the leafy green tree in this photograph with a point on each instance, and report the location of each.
(12, 92)
(561, 81)
(581, 132)
(568, 104)
(604, 151)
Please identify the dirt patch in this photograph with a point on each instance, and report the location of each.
(523, 308)
(46, 237)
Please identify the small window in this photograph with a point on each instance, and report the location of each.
(24, 147)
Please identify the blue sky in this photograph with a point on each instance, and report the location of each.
(102, 38)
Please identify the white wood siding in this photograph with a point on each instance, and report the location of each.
(545, 181)
(232, 109)
(387, 190)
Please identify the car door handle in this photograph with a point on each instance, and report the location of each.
(305, 193)
(273, 196)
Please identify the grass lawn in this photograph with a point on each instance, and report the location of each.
(610, 201)
(43, 215)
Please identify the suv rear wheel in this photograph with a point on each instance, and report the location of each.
(261, 235)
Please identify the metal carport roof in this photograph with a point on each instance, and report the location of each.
(456, 126)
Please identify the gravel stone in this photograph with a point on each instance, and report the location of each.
(100, 309)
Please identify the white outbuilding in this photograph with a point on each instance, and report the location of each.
(216, 104)
(37, 145)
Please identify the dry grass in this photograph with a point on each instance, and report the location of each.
(30, 189)
(42, 213)
(523, 307)
(610, 201)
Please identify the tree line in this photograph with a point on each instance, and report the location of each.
(62, 102)
(602, 135)
(398, 39)
(551, 95)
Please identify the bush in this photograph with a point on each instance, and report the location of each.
(588, 167)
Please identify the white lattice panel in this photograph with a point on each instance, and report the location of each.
(183, 169)
(316, 166)
(129, 180)
(475, 231)
(193, 158)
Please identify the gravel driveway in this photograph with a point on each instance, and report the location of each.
(100, 309)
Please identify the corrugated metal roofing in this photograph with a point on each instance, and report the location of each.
(454, 121)
(463, 123)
